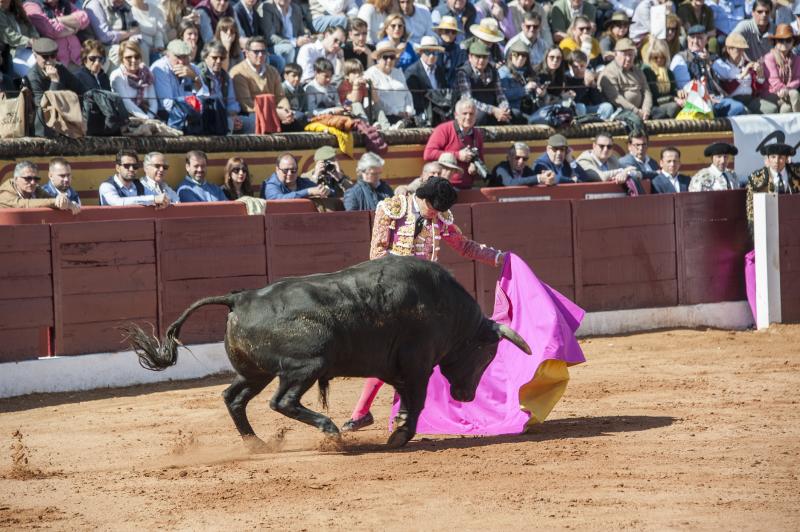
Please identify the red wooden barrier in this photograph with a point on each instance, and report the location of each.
(712, 240)
(541, 192)
(134, 212)
(539, 232)
(789, 222)
(26, 292)
(104, 275)
(625, 253)
(302, 244)
(201, 257)
(290, 206)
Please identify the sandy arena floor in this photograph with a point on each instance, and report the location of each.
(674, 430)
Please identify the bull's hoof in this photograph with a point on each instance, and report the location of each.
(400, 437)
(256, 445)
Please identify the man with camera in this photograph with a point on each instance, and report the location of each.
(463, 140)
(326, 172)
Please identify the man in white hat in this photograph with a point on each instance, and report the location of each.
(462, 12)
(418, 20)
(453, 56)
(426, 73)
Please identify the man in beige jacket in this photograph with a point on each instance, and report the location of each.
(23, 191)
(624, 85)
(254, 76)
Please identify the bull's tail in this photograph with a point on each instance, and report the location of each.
(324, 385)
(157, 356)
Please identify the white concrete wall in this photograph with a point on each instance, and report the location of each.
(107, 370)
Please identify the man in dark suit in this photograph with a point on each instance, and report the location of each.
(247, 18)
(426, 73)
(283, 38)
(669, 181)
(637, 155)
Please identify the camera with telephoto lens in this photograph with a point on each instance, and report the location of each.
(328, 176)
(480, 166)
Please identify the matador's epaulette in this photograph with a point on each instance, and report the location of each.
(394, 207)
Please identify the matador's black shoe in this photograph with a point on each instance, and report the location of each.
(355, 424)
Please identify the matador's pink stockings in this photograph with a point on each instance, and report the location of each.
(371, 387)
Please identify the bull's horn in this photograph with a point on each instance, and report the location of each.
(511, 335)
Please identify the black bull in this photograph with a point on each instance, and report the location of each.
(394, 318)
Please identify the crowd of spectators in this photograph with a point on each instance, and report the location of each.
(398, 63)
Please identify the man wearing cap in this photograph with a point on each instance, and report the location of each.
(694, 63)
(449, 166)
(453, 56)
(717, 176)
(624, 85)
(22, 191)
(479, 81)
(460, 138)
(531, 37)
(415, 225)
(778, 176)
(669, 180)
(426, 73)
(564, 12)
(557, 160)
(514, 171)
(48, 75)
(326, 171)
(176, 78)
(462, 12)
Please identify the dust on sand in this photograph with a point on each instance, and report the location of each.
(680, 429)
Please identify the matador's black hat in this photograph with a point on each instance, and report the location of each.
(778, 148)
(720, 148)
(439, 192)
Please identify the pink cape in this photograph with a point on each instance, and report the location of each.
(546, 320)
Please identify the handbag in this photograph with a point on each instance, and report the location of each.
(12, 117)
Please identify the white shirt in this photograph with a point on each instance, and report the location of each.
(312, 51)
(777, 178)
(393, 94)
(152, 188)
(431, 72)
(674, 180)
(110, 196)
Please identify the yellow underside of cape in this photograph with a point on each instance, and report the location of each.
(541, 394)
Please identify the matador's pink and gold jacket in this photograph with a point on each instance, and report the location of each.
(393, 233)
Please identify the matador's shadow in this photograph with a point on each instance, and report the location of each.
(556, 429)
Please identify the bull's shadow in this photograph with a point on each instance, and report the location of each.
(557, 429)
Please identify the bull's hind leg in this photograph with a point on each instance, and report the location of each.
(287, 401)
(236, 397)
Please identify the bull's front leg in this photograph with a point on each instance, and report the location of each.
(412, 401)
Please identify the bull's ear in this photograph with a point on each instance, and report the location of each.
(504, 331)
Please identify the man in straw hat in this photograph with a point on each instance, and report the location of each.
(717, 176)
(453, 56)
(461, 11)
(694, 63)
(426, 73)
(480, 82)
(778, 175)
(531, 36)
(488, 32)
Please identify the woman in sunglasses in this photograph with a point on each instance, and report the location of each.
(237, 179)
(134, 82)
(394, 31)
(91, 73)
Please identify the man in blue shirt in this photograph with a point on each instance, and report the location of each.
(194, 187)
(124, 188)
(557, 159)
(285, 183)
(60, 175)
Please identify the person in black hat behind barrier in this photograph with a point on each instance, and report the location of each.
(778, 175)
(48, 75)
(718, 176)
